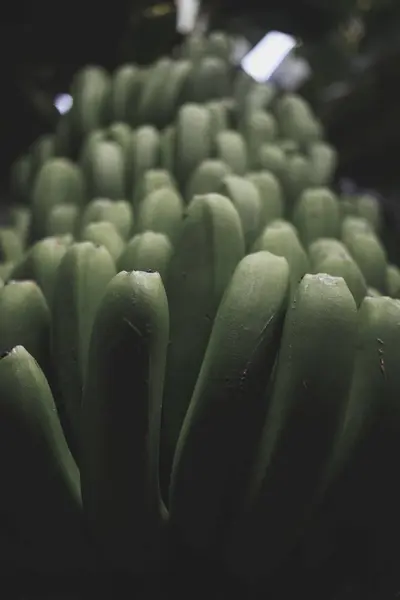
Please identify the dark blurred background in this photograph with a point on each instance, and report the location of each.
(352, 48)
